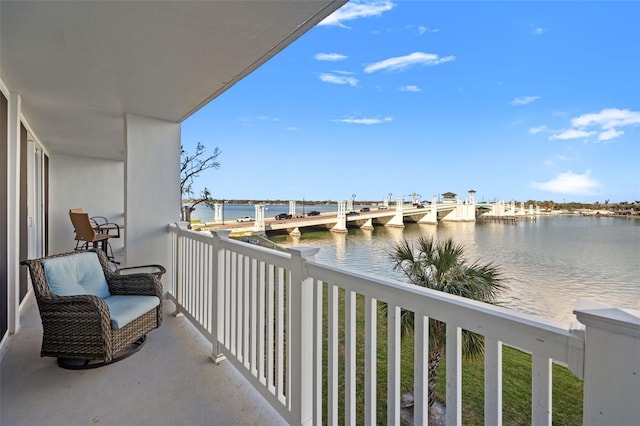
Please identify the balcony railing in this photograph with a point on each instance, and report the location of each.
(275, 316)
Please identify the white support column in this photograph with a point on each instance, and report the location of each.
(341, 224)
(13, 212)
(397, 221)
(152, 162)
(292, 208)
(611, 364)
(217, 293)
(259, 223)
(385, 202)
(300, 344)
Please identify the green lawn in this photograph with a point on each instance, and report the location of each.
(567, 389)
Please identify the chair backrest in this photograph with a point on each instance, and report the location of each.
(39, 277)
(82, 225)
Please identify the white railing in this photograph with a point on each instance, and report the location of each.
(276, 317)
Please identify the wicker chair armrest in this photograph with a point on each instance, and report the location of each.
(75, 312)
(141, 284)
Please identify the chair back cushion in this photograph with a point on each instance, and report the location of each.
(76, 274)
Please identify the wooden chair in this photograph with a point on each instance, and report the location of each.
(85, 232)
(101, 224)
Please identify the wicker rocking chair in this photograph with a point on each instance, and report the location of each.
(80, 324)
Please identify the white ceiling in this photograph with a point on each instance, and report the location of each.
(79, 66)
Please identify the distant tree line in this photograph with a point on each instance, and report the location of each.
(623, 206)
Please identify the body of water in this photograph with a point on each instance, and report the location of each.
(547, 264)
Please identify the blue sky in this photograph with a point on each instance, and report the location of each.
(516, 100)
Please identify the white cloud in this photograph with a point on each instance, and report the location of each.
(410, 88)
(604, 123)
(330, 57)
(401, 62)
(539, 31)
(536, 130)
(367, 121)
(569, 183)
(607, 135)
(608, 118)
(572, 134)
(524, 100)
(339, 79)
(356, 10)
(422, 29)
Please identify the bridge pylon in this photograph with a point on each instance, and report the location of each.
(217, 212)
(432, 216)
(341, 224)
(368, 224)
(464, 212)
(259, 224)
(397, 221)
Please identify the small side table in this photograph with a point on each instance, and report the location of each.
(157, 270)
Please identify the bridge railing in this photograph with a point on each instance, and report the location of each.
(305, 335)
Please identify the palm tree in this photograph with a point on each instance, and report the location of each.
(440, 265)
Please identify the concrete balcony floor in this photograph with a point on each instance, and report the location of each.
(170, 381)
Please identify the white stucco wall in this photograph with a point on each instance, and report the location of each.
(95, 185)
(152, 189)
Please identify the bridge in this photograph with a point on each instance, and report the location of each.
(346, 217)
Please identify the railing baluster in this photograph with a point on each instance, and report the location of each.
(280, 355)
(239, 285)
(317, 351)
(454, 375)
(234, 300)
(261, 322)
(254, 316)
(541, 391)
(227, 299)
(492, 381)
(332, 369)
(350, 358)
(393, 364)
(370, 360)
(271, 318)
(246, 327)
(217, 295)
(201, 284)
(421, 369)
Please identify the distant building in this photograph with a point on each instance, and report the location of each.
(449, 197)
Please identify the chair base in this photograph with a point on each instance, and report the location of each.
(85, 364)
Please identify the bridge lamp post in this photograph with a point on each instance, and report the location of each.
(353, 201)
(390, 194)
